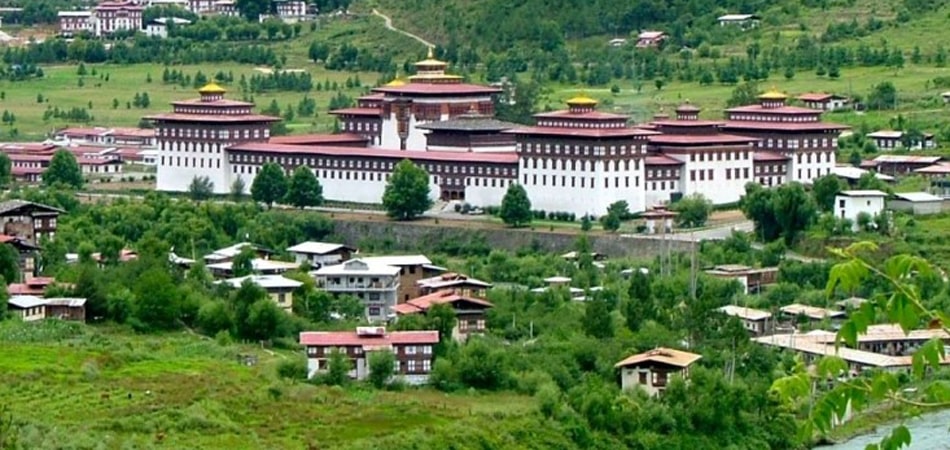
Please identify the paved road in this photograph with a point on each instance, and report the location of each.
(389, 25)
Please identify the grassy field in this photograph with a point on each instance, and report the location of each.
(69, 388)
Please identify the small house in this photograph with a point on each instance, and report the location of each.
(653, 370)
(469, 311)
(659, 219)
(413, 351)
(617, 42)
(824, 102)
(810, 314)
(66, 308)
(852, 175)
(744, 21)
(228, 253)
(319, 254)
(891, 140)
(756, 321)
(946, 97)
(278, 288)
(916, 203)
(258, 266)
(650, 39)
(158, 27)
(412, 268)
(455, 282)
(751, 278)
(901, 164)
(851, 204)
(28, 308)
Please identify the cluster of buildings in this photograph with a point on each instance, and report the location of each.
(576, 160)
(109, 17)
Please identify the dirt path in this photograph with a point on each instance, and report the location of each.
(389, 25)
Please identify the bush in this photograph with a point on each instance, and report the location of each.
(292, 369)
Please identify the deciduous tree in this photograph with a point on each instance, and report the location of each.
(304, 189)
(407, 192)
(63, 170)
(9, 264)
(6, 171)
(825, 189)
(201, 188)
(516, 207)
(270, 185)
(692, 210)
(238, 189)
(242, 264)
(381, 367)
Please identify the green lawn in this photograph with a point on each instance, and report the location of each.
(60, 89)
(74, 393)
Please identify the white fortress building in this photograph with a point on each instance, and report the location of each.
(578, 160)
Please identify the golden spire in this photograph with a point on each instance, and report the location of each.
(430, 55)
(773, 94)
(211, 88)
(582, 100)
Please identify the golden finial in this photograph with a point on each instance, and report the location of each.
(431, 54)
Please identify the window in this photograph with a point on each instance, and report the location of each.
(410, 349)
(374, 310)
(426, 349)
(643, 378)
(411, 366)
(427, 365)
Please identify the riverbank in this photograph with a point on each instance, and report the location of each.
(928, 432)
(871, 420)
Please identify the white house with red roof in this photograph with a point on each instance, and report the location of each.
(413, 350)
(824, 101)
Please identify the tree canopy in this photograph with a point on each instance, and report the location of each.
(6, 170)
(783, 212)
(304, 189)
(201, 188)
(516, 207)
(407, 192)
(270, 185)
(692, 211)
(63, 170)
(824, 189)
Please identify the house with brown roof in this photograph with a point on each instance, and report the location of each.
(755, 321)
(469, 311)
(751, 278)
(890, 140)
(456, 282)
(650, 39)
(824, 101)
(653, 370)
(413, 351)
(32, 286)
(27, 220)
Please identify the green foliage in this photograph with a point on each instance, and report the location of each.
(824, 190)
(746, 93)
(516, 207)
(304, 189)
(63, 170)
(238, 189)
(293, 369)
(201, 188)
(242, 264)
(407, 192)
(381, 366)
(692, 210)
(6, 167)
(900, 302)
(639, 305)
(9, 264)
(270, 185)
(158, 304)
(883, 96)
(784, 212)
(338, 368)
(598, 321)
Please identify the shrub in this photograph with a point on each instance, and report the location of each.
(292, 369)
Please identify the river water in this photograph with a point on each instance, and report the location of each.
(928, 432)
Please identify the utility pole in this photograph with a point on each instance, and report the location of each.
(692, 265)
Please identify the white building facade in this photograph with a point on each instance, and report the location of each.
(851, 204)
(376, 285)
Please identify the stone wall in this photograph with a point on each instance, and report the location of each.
(416, 236)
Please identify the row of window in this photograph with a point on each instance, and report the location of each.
(829, 157)
(719, 156)
(709, 174)
(581, 124)
(774, 117)
(531, 147)
(197, 147)
(574, 181)
(204, 133)
(798, 143)
(663, 186)
(668, 173)
(776, 168)
(584, 164)
(817, 172)
(213, 111)
(179, 161)
(358, 126)
(413, 366)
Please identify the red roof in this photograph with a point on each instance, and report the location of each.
(422, 304)
(661, 160)
(29, 157)
(438, 89)
(350, 338)
(85, 161)
(218, 118)
(26, 147)
(4, 238)
(773, 110)
(583, 132)
(325, 150)
(357, 111)
(789, 126)
(700, 139)
(686, 123)
(316, 139)
(591, 115)
(768, 156)
(214, 103)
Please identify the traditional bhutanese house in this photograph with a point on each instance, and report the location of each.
(27, 252)
(32, 286)
(810, 314)
(916, 203)
(29, 221)
(455, 282)
(258, 266)
(412, 268)
(280, 289)
(852, 205)
(743, 21)
(653, 370)
(934, 171)
(663, 179)
(469, 310)
(649, 39)
(228, 253)
(823, 101)
(337, 140)
(756, 321)
(852, 175)
(413, 351)
(751, 278)
(902, 164)
(659, 218)
(770, 168)
(66, 308)
(890, 140)
(319, 254)
(28, 308)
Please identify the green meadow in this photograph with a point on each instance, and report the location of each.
(77, 386)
